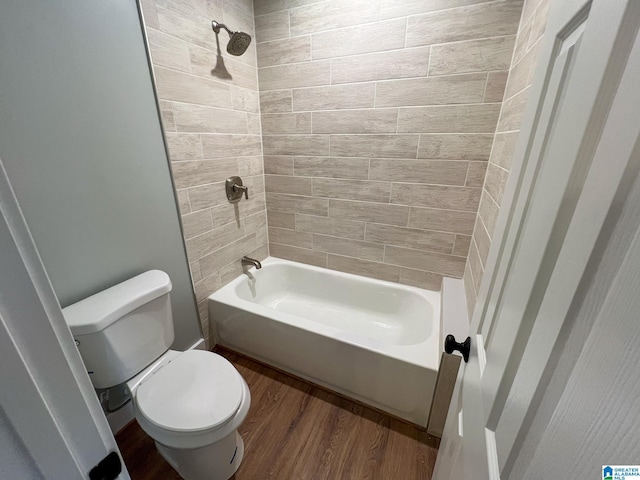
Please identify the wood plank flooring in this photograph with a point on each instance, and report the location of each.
(297, 431)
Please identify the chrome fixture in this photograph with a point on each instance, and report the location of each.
(238, 41)
(248, 261)
(235, 189)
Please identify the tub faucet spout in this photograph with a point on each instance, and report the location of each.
(251, 262)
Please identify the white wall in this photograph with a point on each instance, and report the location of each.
(81, 140)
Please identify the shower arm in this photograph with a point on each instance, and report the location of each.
(217, 26)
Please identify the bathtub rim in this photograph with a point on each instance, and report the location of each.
(425, 354)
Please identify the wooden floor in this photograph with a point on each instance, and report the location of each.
(295, 430)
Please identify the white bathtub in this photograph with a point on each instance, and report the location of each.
(371, 340)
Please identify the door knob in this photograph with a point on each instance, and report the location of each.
(450, 345)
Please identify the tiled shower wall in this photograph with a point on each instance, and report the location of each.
(532, 25)
(378, 118)
(210, 111)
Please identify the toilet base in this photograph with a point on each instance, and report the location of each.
(218, 461)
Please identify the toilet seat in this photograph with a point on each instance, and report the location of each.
(191, 399)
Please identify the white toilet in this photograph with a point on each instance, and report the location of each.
(191, 403)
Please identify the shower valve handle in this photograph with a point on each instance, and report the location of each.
(450, 345)
(241, 188)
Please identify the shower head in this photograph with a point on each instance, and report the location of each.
(238, 41)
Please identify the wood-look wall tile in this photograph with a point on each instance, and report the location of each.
(334, 97)
(476, 174)
(482, 55)
(290, 237)
(482, 241)
(208, 242)
(250, 166)
(168, 51)
(444, 90)
(207, 286)
(422, 260)
(226, 70)
(227, 254)
(278, 165)
(207, 196)
(195, 118)
(394, 8)
(193, 173)
(495, 182)
(464, 23)
(481, 118)
(166, 112)
(281, 219)
(297, 204)
(286, 123)
(442, 220)
(469, 290)
(488, 212)
(183, 201)
(296, 254)
(296, 145)
(272, 26)
(496, 84)
(196, 223)
(182, 21)
(184, 147)
(287, 50)
(388, 146)
(512, 111)
(294, 75)
(369, 212)
(216, 146)
(150, 14)
(421, 279)
(435, 196)
(367, 38)
(410, 238)
(411, 62)
(352, 189)
(348, 247)
(245, 99)
(253, 223)
(332, 167)
(196, 274)
(419, 171)
(357, 266)
(504, 147)
(253, 124)
(461, 245)
(455, 146)
(475, 265)
(333, 14)
(184, 87)
(276, 101)
(288, 184)
(330, 226)
(262, 7)
(356, 121)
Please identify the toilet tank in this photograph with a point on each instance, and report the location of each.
(123, 329)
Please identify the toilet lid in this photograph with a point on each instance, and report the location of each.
(197, 391)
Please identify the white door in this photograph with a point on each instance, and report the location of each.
(51, 424)
(574, 169)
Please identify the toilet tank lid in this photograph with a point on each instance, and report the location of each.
(98, 311)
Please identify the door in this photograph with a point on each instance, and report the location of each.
(49, 413)
(573, 170)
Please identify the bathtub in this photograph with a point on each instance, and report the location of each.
(374, 341)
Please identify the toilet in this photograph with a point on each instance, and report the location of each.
(191, 403)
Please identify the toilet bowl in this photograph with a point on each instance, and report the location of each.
(191, 403)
